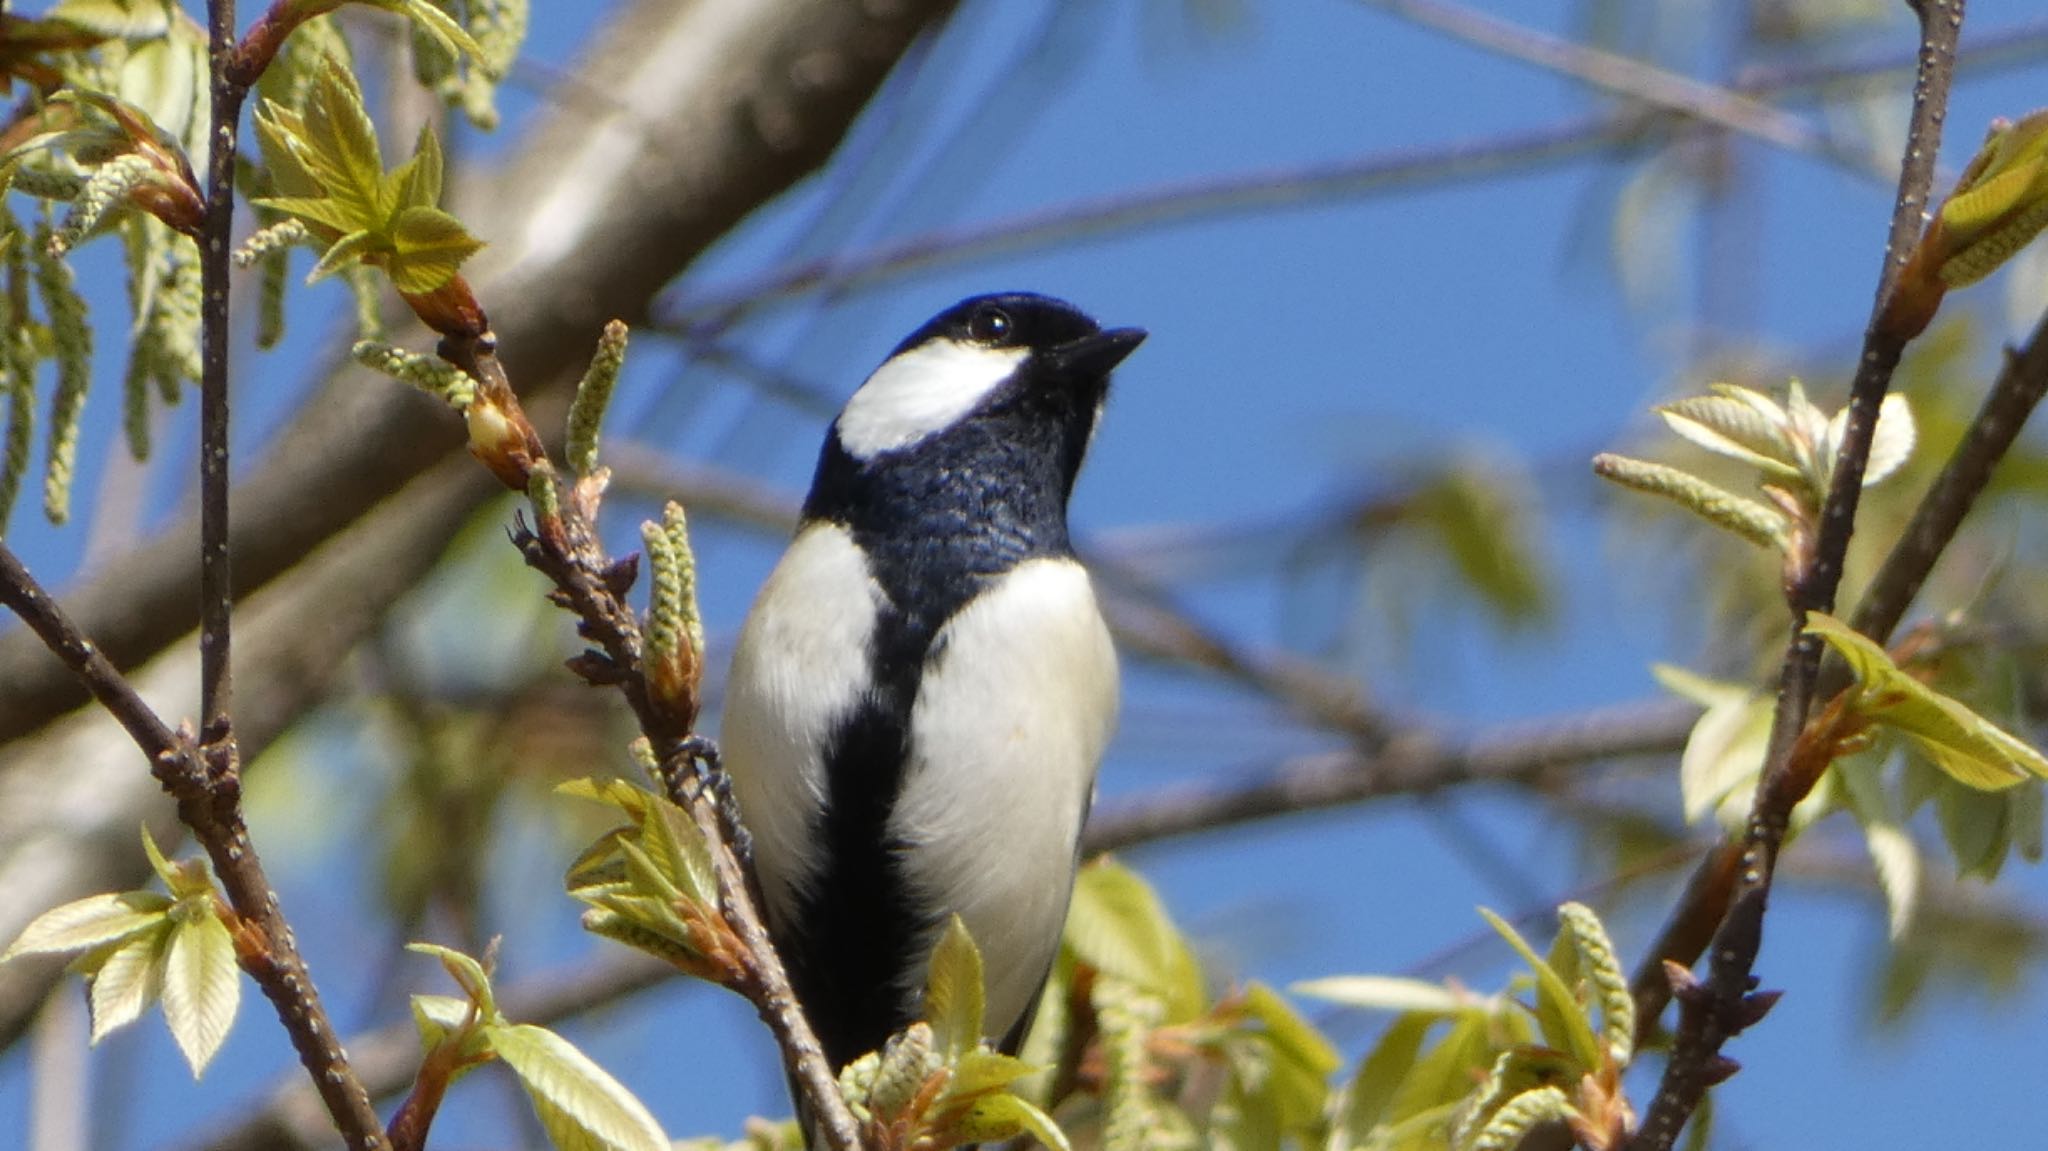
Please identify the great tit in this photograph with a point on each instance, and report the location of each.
(923, 689)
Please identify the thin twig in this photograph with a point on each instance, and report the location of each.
(2018, 390)
(1717, 1008)
(1633, 79)
(209, 803)
(216, 593)
(1410, 764)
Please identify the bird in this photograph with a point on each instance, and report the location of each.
(923, 690)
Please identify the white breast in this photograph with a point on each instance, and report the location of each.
(799, 669)
(1010, 723)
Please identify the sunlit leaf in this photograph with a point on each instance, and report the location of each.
(1725, 751)
(127, 982)
(202, 987)
(90, 922)
(1958, 740)
(429, 245)
(1380, 1075)
(953, 993)
(1116, 925)
(1738, 423)
(1892, 850)
(578, 1102)
(1558, 1012)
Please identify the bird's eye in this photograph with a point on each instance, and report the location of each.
(989, 326)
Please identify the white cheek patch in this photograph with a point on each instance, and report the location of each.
(924, 390)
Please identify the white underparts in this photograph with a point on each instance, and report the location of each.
(919, 392)
(799, 669)
(1010, 724)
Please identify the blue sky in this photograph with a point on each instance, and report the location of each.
(1296, 354)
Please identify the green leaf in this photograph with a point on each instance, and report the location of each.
(438, 1016)
(1739, 423)
(1978, 828)
(339, 149)
(467, 972)
(419, 179)
(1117, 926)
(982, 1069)
(1892, 850)
(91, 922)
(280, 134)
(438, 24)
(953, 993)
(1480, 519)
(1959, 741)
(314, 210)
(1891, 445)
(165, 871)
(582, 1106)
(998, 1117)
(1290, 1034)
(429, 245)
(1447, 1072)
(202, 987)
(343, 254)
(1999, 205)
(128, 981)
(1558, 1012)
(1381, 1075)
(1725, 752)
(125, 19)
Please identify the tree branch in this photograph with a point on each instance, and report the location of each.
(216, 594)
(209, 802)
(1715, 1009)
(2021, 382)
(1634, 80)
(1412, 764)
(578, 238)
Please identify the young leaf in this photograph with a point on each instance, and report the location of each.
(202, 986)
(1959, 741)
(953, 993)
(467, 973)
(1892, 850)
(580, 1104)
(1563, 1021)
(127, 982)
(94, 921)
(1117, 926)
(428, 246)
(1380, 1076)
(998, 1117)
(1738, 423)
(1291, 1035)
(1725, 751)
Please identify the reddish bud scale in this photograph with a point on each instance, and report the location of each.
(451, 310)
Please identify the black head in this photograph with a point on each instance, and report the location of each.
(982, 414)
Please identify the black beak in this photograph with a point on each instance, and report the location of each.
(1093, 356)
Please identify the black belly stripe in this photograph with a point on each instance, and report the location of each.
(951, 529)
